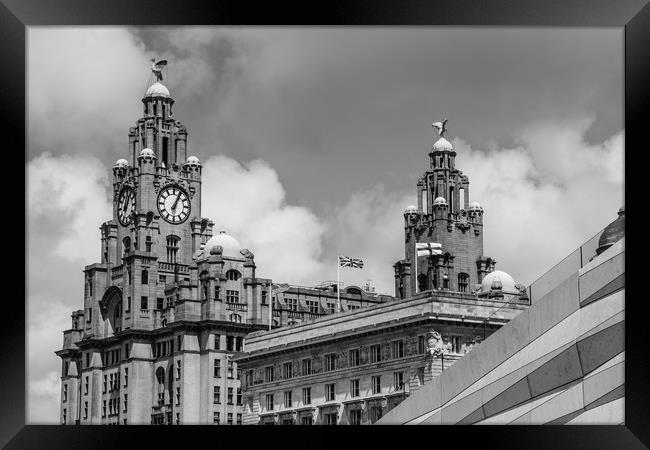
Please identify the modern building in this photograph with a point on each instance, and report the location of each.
(355, 366)
(169, 304)
(560, 362)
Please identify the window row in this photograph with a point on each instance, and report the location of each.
(216, 396)
(216, 418)
(330, 391)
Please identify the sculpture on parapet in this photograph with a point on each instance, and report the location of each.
(157, 67)
(441, 127)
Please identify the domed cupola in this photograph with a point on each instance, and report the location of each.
(612, 233)
(157, 90)
(229, 245)
(440, 201)
(442, 145)
(498, 280)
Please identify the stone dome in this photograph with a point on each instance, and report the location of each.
(612, 233)
(157, 90)
(231, 247)
(497, 277)
(475, 206)
(411, 209)
(439, 201)
(442, 144)
(147, 153)
(121, 163)
(193, 161)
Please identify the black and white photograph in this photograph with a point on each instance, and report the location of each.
(325, 225)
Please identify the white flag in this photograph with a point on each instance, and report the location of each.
(428, 248)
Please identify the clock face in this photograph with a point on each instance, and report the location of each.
(173, 205)
(126, 206)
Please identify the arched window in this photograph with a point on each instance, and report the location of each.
(160, 378)
(422, 282)
(147, 243)
(233, 275)
(172, 248)
(235, 318)
(160, 375)
(353, 291)
(463, 282)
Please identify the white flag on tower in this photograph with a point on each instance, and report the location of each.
(428, 248)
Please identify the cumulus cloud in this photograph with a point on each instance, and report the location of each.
(248, 201)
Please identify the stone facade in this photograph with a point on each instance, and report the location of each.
(372, 358)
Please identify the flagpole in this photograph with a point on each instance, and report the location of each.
(338, 284)
(416, 267)
(270, 304)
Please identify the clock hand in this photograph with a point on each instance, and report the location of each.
(176, 202)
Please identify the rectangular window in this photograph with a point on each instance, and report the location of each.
(375, 414)
(232, 296)
(268, 374)
(292, 304)
(86, 386)
(65, 392)
(128, 304)
(125, 402)
(178, 395)
(217, 342)
(306, 420)
(230, 343)
(126, 376)
(65, 416)
(162, 279)
(178, 418)
(230, 369)
(90, 315)
(287, 370)
(104, 384)
(330, 419)
(269, 402)
(331, 308)
(455, 344)
(217, 368)
(306, 367)
(313, 306)
(329, 392)
(239, 402)
(239, 416)
(421, 345)
(145, 277)
(144, 303)
(355, 359)
(178, 370)
(230, 396)
(216, 395)
(376, 384)
(375, 353)
(330, 362)
(263, 297)
(229, 418)
(355, 417)
(85, 410)
(287, 399)
(104, 408)
(398, 380)
(398, 349)
(159, 303)
(239, 344)
(354, 388)
(216, 417)
(306, 396)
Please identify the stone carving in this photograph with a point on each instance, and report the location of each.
(435, 347)
(216, 250)
(247, 253)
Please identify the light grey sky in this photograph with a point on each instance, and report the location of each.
(320, 135)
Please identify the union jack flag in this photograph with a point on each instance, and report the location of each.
(344, 261)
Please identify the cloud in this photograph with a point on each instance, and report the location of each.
(66, 202)
(248, 201)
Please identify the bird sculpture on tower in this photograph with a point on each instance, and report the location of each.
(441, 127)
(157, 67)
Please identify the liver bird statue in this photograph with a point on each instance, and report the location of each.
(441, 127)
(157, 67)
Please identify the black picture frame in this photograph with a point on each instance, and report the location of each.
(633, 15)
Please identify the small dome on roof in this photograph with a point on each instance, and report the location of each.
(193, 161)
(157, 90)
(497, 277)
(147, 153)
(612, 232)
(439, 201)
(411, 209)
(121, 163)
(442, 144)
(473, 206)
(231, 247)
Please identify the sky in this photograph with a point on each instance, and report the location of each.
(312, 140)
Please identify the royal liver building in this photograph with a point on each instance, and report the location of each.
(168, 306)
